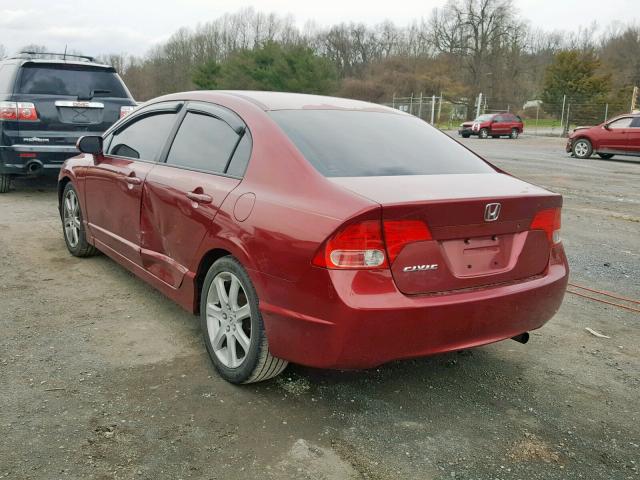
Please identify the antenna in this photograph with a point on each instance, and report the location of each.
(64, 57)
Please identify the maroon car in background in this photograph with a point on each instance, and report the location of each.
(322, 231)
(619, 136)
(493, 125)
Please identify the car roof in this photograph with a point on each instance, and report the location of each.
(48, 61)
(296, 101)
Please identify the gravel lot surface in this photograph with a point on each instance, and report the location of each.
(102, 377)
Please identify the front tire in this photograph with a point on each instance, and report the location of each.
(514, 133)
(484, 133)
(582, 148)
(605, 156)
(5, 183)
(466, 135)
(72, 224)
(232, 325)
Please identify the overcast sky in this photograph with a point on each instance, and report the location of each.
(134, 26)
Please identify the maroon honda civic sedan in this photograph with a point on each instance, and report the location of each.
(327, 232)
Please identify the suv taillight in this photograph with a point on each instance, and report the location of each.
(126, 110)
(20, 111)
(549, 221)
(362, 245)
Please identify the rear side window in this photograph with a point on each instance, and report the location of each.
(144, 138)
(635, 123)
(72, 80)
(7, 71)
(204, 143)
(342, 143)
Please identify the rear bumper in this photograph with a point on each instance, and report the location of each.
(34, 159)
(358, 319)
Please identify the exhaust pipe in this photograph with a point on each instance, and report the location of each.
(522, 338)
(34, 165)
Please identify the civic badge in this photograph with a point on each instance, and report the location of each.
(491, 212)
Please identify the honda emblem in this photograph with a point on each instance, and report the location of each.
(491, 212)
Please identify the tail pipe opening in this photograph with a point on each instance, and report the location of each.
(34, 165)
(522, 338)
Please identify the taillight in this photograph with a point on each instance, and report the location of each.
(20, 111)
(355, 246)
(126, 110)
(549, 221)
(398, 233)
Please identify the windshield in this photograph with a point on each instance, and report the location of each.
(73, 80)
(342, 143)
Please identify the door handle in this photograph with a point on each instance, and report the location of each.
(199, 197)
(133, 180)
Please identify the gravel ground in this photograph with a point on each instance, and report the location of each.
(102, 377)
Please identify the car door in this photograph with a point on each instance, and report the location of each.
(114, 183)
(183, 194)
(615, 134)
(633, 137)
(499, 125)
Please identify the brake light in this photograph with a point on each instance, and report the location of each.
(549, 221)
(355, 246)
(126, 110)
(398, 233)
(20, 111)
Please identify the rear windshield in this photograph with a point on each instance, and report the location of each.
(368, 144)
(74, 80)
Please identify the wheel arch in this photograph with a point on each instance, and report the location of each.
(62, 183)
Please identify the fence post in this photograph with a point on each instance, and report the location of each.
(393, 100)
(439, 107)
(564, 99)
(411, 104)
(479, 104)
(420, 107)
(606, 111)
(565, 129)
(537, 116)
(433, 108)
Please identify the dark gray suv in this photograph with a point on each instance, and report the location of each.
(46, 104)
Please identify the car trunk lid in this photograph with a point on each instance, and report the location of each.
(466, 250)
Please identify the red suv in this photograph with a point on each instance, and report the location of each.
(620, 136)
(493, 125)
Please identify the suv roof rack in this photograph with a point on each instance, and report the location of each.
(63, 55)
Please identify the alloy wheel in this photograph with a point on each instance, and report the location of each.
(228, 319)
(581, 149)
(71, 218)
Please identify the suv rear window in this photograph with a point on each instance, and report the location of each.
(74, 80)
(342, 143)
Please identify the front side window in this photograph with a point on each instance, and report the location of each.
(204, 143)
(635, 123)
(144, 138)
(621, 123)
(342, 143)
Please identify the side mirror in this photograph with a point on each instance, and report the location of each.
(90, 144)
(606, 126)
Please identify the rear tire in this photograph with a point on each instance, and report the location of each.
(484, 133)
(582, 148)
(232, 325)
(73, 227)
(605, 156)
(514, 133)
(5, 183)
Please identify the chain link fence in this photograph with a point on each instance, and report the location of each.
(545, 119)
